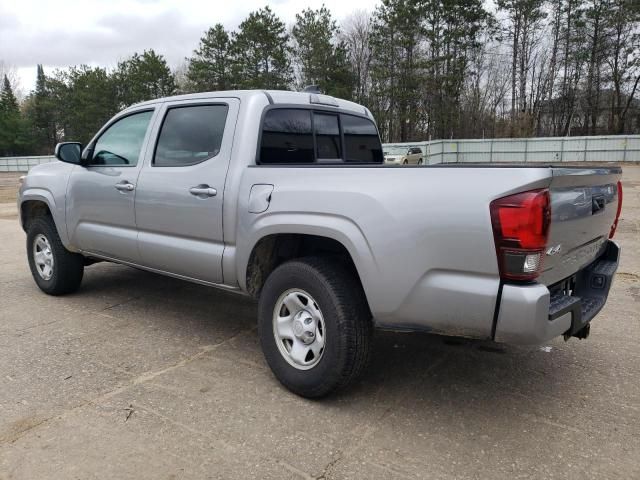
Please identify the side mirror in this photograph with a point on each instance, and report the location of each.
(69, 152)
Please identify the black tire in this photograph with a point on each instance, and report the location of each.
(347, 319)
(420, 162)
(406, 162)
(68, 267)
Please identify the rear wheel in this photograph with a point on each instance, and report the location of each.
(315, 326)
(55, 269)
(420, 162)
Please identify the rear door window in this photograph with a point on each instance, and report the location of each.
(287, 137)
(190, 135)
(361, 140)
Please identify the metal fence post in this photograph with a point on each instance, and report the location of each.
(624, 153)
(491, 151)
(586, 142)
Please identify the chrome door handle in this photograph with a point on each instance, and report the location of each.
(203, 191)
(125, 186)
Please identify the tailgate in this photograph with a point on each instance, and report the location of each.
(584, 202)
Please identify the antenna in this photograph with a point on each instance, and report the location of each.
(312, 89)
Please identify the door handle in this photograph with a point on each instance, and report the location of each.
(125, 186)
(203, 191)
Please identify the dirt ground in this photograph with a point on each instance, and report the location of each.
(138, 376)
(9, 186)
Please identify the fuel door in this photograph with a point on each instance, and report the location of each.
(259, 198)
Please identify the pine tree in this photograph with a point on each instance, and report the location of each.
(43, 115)
(261, 52)
(143, 77)
(11, 125)
(396, 70)
(88, 98)
(210, 67)
(320, 59)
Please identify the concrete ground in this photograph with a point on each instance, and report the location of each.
(139, 376)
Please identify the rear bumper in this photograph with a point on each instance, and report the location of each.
(534, 314)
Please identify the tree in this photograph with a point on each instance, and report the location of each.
(143, 77)
(319, 57)
(523, 22)
(210, 67)
(453, 30)
(14, 80)
(396, 70)
(12, 131)
(261, 52)
(42, 115)
(355, 36)
(86, 98)
(623, 60)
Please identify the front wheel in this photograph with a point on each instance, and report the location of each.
(315, 327)
(55, 269)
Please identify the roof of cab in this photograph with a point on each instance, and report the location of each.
(273, 96)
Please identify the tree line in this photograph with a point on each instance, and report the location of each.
(427, 69)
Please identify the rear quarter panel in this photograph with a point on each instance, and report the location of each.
(420, 237)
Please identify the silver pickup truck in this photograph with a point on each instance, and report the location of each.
(285, 197)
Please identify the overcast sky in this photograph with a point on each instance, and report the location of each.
(59, 33)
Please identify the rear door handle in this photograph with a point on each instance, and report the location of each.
(203, 191)
(125, 186)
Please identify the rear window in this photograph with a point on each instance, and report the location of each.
(328, 142)
(302, 136)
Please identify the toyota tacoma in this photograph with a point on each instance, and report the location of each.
(285, 197)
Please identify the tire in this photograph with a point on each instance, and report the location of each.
(67, 267)
(406, 162)
(420, 162)
(346, 330)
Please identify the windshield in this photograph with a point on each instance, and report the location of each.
(395, 150)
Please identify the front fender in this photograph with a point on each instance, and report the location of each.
(45, 196)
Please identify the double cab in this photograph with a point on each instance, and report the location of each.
(286, 197)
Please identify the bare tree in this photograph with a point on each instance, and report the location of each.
(355, 32)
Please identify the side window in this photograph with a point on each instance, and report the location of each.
(361, 140)
(120, 144)
(287, 137)
(327, 130)
(190, 135)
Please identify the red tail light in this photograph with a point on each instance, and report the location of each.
(615, 223)
(520, 230)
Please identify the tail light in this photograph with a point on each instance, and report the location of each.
(615, 223)
(520, 230)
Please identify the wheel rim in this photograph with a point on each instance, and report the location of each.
(299, 329)
(43, 257)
